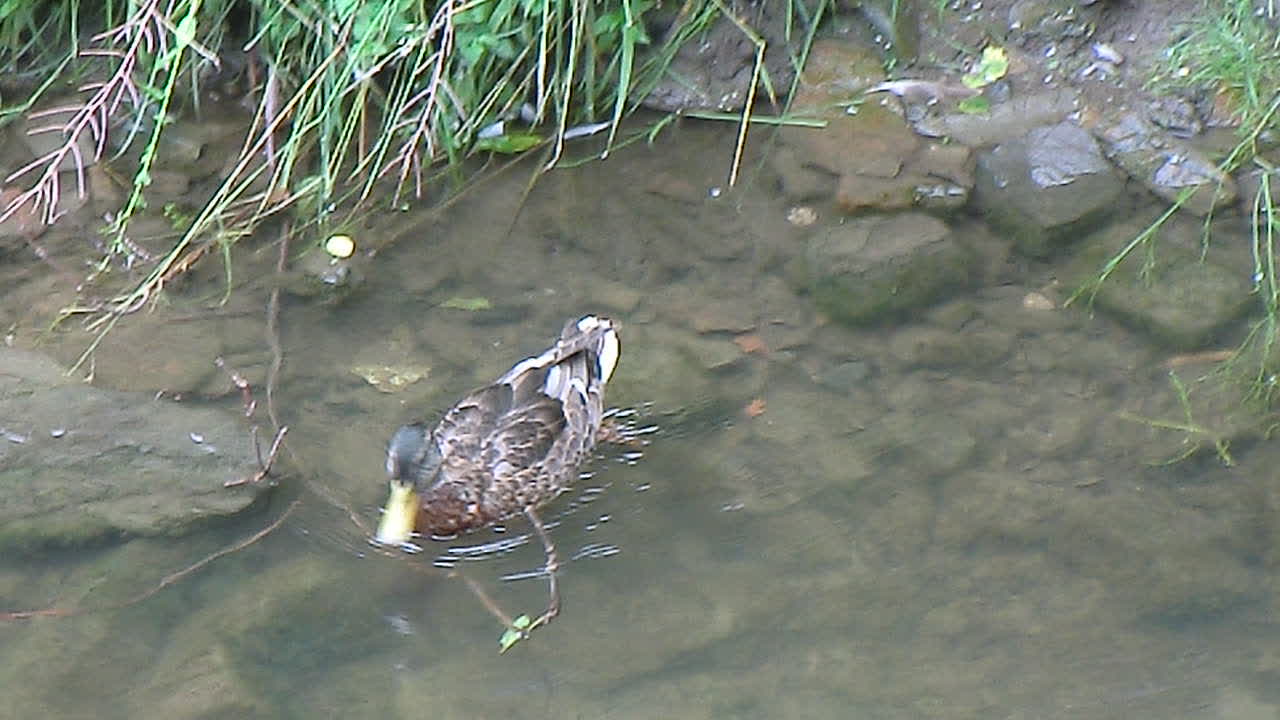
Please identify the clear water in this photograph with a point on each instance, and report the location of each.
(971, 532)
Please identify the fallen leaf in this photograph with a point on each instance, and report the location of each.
(1198, 358)
(750, 343)
(992, 66)
(471, 304)
(755, 408)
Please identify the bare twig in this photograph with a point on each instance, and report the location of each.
(273, 325)
(475, 587)
(165, 582)
(246, 391)
(264, 466)
(142, 33)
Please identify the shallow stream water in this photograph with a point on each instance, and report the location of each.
(950, 516)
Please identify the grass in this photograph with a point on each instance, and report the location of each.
(357, 104)
(1230, 49)
(1231, 53)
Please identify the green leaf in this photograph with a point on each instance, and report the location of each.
(509, 638)
(993, 66)
(8, 7)
(185, 32)
(471, 305)
(976, 105)
(514, 634)
(510, 143)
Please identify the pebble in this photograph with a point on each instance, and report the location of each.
(1037, 301)
(802, 216)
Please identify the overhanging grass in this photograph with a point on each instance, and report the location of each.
(356, 102)
(1231, 53)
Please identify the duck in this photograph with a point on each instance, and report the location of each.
(507, 448)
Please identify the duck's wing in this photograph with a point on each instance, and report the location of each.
(526, 439)
(463, 429)
(541, 415)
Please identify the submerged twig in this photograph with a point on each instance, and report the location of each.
(264, 466)
(246, 391)
(273, 326)
(166, 581)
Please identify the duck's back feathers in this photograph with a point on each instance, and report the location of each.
(514, 444)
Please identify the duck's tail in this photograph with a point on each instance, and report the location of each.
(580, 363)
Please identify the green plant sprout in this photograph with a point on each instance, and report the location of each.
(518, 631)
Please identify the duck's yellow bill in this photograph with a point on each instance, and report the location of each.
(399, 516)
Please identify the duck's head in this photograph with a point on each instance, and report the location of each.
(405, 456)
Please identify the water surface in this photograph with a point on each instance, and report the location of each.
(947, 516)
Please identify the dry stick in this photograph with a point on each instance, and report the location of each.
(760, 44)
(246, 395)
(273, 325)
(174, 577)
(264, 467)
(476, 589)
(484, 598)
(168, 580)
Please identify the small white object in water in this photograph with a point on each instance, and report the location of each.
(57, 432)
(1037, 301)
(400, 624)
(802, 216)
(1105, 52)
(340, 246)
(715, 192)
(196, 438)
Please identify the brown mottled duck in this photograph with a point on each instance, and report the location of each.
(507, 448)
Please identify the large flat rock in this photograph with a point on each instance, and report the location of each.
(78, 463)
(877, 268)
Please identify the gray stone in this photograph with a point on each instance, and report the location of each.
(1047, 190)
(874, 268)
(932, 445)
(936, 348)
(78, 463)
(1006, 120)
(1173, 296)
(1165, 165)
(715, 73)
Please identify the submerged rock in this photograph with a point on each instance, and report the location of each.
(1048, 188)
(873, 269)
(78, 463)
(1180, 300)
